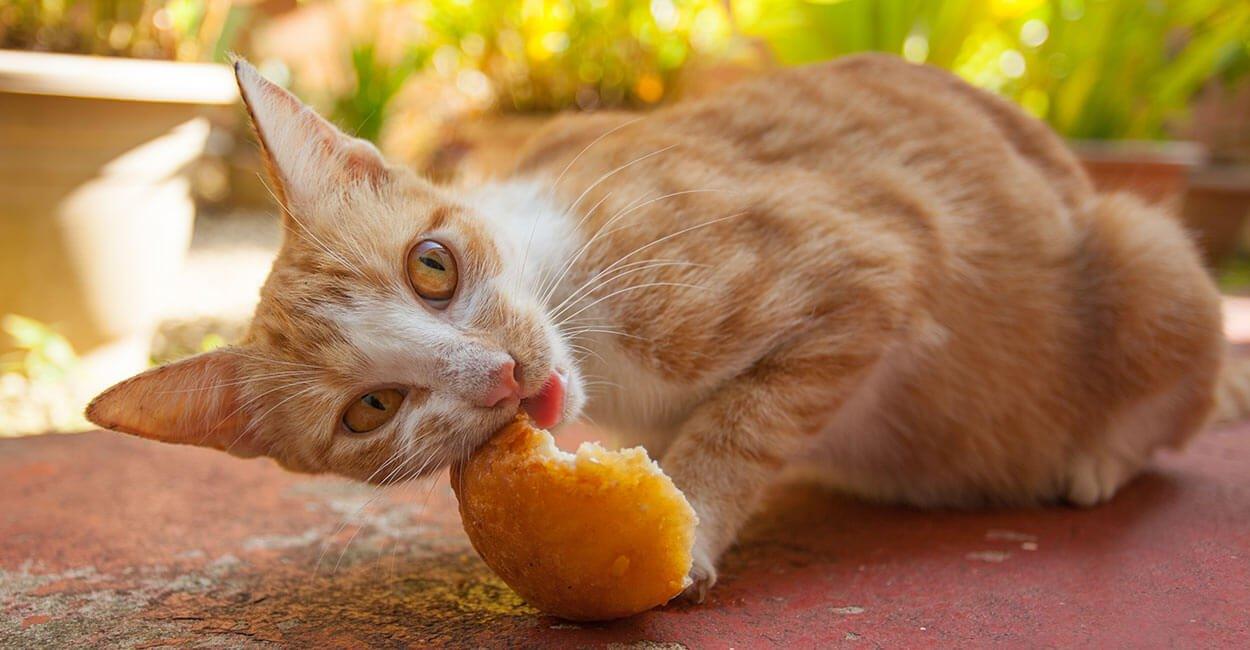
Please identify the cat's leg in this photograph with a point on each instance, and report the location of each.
(735, 443)
(1160, 347)
(1093, 478)
(1094, 475)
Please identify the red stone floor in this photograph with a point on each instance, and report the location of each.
(109, 541)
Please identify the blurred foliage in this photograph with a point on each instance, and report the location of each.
(376, 82)
(550, 54)
(1234, 275)
(801, 31)
(528, 55)
(42, 353)
(181, 30)
(1098, 69)
(35, 396)
(1123, 69)
(179, 339)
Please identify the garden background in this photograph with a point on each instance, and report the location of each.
(134, 228)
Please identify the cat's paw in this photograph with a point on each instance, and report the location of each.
(1094, 478)
(702, 577)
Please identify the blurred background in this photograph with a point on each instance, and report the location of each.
(134, 228)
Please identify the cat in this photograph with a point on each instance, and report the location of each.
(865, 271)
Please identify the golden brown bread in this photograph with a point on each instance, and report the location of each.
(594, 535)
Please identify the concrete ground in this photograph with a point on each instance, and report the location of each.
(110, 541)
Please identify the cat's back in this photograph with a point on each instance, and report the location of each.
(871, 111)
(861, 122)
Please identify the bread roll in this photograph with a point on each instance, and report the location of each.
(590, 536)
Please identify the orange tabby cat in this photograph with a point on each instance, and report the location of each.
(866, 271)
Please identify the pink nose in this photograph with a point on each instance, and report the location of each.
(505, 387)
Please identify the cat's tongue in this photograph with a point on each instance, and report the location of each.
(547, 406)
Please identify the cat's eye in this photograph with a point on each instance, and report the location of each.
(433, 273)
(372, 410)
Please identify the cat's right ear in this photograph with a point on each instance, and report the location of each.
(195, 401)
(305, 155)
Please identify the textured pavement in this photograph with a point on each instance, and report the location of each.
(109, 541)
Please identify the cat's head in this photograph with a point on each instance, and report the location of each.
(395, 333)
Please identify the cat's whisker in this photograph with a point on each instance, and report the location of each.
(636, 287)
(600, 274)
(581, 328)
(599, 232)
(247, 380)
(597, 282)
(582, 337)
(431, 483)
(568, 265)
(622, 258)
(405, 456)
(585, 351)
(260, 418)
(404, 478)
(610, 174)
(592, 384)
(375, 492)
(289, 385)
(603, 229)
(534, 226)
(355, 247)
(676, 234)
(549, 285)
(309, 233)
(242, 406)
(596, 330)
(238, 353)
(594, 142)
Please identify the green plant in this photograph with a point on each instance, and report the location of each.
(1098, 69)
(183, 30)
(376, 82)
(531, 55)
(1123, 69)
(42, 354)
(548, 54)
(803, 31)
(35, 392)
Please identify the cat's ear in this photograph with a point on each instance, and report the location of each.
(305, 154)
(194, 401)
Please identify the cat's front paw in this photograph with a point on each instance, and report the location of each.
(702, 577)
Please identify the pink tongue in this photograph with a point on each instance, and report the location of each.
(547, 406)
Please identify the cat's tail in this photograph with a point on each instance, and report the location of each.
(1232, 395)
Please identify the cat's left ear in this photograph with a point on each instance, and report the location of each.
(195, 401)
(305, 154)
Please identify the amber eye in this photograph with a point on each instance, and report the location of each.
(372, 410)
(432, 272)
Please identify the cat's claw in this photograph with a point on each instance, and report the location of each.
(702, 577)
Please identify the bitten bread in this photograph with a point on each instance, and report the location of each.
(594, 535)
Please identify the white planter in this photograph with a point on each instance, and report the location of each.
(95, 209)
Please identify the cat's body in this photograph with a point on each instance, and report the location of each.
(864, 271)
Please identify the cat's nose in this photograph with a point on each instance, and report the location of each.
(504, 386)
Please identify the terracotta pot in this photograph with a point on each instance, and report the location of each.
(1216, 208)
(1156, 171)
(95, 209)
